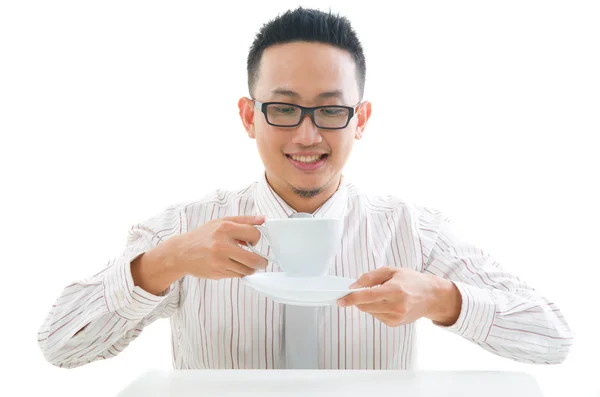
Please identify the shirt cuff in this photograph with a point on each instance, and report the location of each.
(477, 313)
(124, 298)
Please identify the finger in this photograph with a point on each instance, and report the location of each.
(238, 268)
(247, 258)
(369, 295)
(374, 277)
(245, 219)
(380, 307)
(227, 274)
(391, 320)
(240, 231)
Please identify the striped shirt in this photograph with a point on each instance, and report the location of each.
(225, 325)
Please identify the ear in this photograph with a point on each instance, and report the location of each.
(246, 108)
(363, 115)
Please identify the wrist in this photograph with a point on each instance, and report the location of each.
(155, 270)
(167, 254)
(446, 302)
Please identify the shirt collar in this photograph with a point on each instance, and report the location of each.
(272, 206)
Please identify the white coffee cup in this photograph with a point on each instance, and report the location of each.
(302, 246)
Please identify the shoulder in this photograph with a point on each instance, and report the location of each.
(219, 203)
(425, 218)
(387, 203)
(180, 217)
(220, 197)
(373, 201)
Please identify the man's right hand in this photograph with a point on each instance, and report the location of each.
(212, 251)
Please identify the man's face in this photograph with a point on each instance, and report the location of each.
(305, 158)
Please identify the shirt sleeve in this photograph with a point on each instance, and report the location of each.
(500, 312)
(96, 318)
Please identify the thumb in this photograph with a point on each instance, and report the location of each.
(246, 219)
(373, 278)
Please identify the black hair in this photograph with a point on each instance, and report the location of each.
(310, 25)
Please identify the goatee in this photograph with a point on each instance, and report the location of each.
(306, 193)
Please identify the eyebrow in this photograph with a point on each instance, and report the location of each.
(294, 94)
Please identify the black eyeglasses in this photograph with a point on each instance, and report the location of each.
(281, 114)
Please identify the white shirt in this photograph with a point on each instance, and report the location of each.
(223, 324)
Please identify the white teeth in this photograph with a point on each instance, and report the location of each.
(306, 159)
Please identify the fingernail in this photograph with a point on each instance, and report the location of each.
(341, 302)
(353, 285)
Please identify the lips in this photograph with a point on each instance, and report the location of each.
(309, 162)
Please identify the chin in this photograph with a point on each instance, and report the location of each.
(309, 184)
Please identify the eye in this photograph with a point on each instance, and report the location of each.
(332, 111)
(284, 109)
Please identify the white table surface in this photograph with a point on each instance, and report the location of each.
(284, 383)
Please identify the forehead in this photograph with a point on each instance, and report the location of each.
(308, 69)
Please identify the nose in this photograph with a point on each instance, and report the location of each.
(307, 134)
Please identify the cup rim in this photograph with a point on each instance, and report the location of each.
(302, 219)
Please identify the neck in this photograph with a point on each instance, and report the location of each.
(304, 204)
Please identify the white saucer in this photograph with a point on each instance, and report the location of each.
(300, 303)
(300, 291)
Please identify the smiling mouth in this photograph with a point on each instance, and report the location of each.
(307, 159)
(308, 163)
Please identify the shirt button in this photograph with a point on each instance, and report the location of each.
(120, 296)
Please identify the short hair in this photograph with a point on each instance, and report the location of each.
(308, 25)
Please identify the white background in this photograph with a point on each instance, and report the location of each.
(111, 111)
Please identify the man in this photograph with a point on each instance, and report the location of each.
(306, 76)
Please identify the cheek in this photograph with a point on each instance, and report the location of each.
(270, 143)
(343, 146)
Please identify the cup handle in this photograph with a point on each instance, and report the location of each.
(265, 235)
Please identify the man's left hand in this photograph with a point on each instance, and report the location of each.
(398, 296)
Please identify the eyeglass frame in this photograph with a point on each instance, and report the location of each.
(352, 111)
